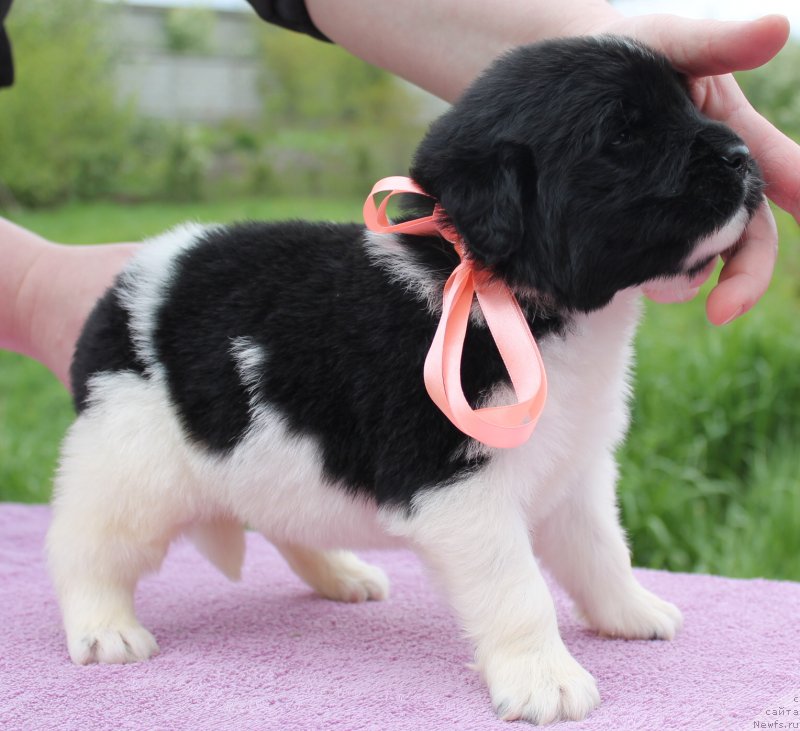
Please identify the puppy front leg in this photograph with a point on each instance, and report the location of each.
(582, 543)
(480, 550)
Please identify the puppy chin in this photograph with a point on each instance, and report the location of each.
(700, 264)
(681, 288)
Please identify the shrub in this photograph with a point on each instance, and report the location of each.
(63, 132)
(189, 30)
(320, 85)
(772, 89)
(332, 123)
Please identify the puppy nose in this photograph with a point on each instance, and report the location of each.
(736, 155)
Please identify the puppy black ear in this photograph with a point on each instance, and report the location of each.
(483, 196)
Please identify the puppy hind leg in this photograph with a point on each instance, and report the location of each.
(95, 561)
(110, 526)
(337, 575)
(583, 545)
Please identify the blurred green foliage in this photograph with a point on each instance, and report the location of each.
(61, 127)
(709, 474)
(331, 123)
(774, 90)
(189, 29)
(316, 85)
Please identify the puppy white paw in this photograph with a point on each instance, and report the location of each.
(540, 687)
(639, 615)
(352, 580)
(130, 643)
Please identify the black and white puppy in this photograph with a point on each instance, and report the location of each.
(270, 374)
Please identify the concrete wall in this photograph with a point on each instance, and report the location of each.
(218, 84)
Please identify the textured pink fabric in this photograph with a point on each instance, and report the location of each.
(268, 654)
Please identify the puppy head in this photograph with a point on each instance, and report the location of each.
(580, 167)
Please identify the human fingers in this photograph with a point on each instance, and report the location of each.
(747, 273)
(709, 47)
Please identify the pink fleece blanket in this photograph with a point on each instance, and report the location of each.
(266, 653)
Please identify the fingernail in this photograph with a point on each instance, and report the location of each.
(734, 315)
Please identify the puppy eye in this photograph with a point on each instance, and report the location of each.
(623, 137)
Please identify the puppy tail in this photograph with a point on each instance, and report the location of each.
(222, 543)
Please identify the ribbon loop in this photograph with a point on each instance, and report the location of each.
(498, 426)
(375, 217)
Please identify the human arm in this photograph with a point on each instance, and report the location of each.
(47, 291)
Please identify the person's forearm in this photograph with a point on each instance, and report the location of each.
(47, 290)
(20, 250)
(441, 45)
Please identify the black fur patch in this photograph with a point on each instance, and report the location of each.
(105, 345)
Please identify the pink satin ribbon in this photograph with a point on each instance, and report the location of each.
(498, 426)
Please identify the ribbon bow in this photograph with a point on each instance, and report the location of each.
(498, 426)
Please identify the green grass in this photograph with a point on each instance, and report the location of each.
(81, 223)
(35, 411)
(710, 473)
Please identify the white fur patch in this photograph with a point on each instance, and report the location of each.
(144, 281)
(249, 358)
(720, 241)
(390, 255)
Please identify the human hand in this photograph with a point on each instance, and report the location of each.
(708, 51)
